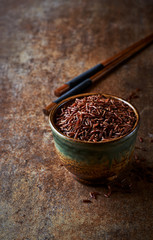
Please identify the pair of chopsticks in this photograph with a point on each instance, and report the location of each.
(86, 79)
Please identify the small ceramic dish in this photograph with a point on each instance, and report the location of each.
(94, 162)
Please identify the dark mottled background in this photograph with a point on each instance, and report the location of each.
(42, 45)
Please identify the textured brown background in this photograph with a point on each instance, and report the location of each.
(42, 45)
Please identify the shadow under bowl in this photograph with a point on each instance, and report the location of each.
(94, 162)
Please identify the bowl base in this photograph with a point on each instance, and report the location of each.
(94, 182)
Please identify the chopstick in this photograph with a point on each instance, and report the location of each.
(109, 65)
(89, 73)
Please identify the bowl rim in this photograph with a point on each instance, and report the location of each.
(107, 141)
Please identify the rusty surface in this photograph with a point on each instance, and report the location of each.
(42, 45)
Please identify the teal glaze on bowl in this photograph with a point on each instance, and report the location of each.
(91, 162)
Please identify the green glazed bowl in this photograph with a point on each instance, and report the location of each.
(91, 162)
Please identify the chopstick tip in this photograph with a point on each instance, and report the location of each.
(46, 112)
(59, 91)
(48, 108)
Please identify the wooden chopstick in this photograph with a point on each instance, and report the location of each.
(109, 65)
(89, 73)
(120, 60)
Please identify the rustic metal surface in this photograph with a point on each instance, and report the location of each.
(42, 44)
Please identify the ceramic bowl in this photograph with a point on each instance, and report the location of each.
(91, 162)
